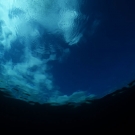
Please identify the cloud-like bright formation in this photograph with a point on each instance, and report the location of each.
(28, 30)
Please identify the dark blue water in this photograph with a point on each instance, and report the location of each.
(104, 60)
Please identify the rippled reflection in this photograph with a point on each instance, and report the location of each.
(32, 33)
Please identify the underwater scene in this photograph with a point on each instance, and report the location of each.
(67, 64)
(65, 51)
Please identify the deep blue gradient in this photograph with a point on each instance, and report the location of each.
(105, 59)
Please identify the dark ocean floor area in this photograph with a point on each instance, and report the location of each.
(112, 113)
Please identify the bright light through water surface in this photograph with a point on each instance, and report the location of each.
(31, 35)
(65, 51)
